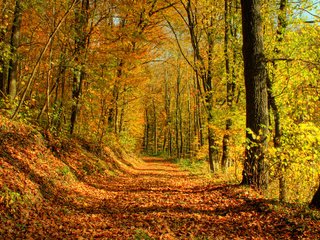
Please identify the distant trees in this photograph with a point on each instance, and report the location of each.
(200, 19)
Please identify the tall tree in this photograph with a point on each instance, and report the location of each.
(229, 31)
(4, 48)
(254, 172)
(282, 23)
(14, 44)
(81, 44)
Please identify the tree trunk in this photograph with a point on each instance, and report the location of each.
(213, 153)
(146, 132)
(3, 60)
(14, 44)
(198, 128)
(178, 115)
(211, 134)
(254, 172)
(189, 133)
(61, 82)
(81, 41)
(113, 110)
(230, 88)
(225, 146)
(315, 202)
(282, 23)
(167, 101)
(212, 150)
(155, 129)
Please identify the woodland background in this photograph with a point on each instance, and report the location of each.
(165, 78)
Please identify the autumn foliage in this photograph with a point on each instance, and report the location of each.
(88, 86)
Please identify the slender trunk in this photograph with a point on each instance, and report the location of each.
(76, 93)
(225, 147)
(14, 44)
(102, 121)
(201, 135)
(121, 120)
(61, 80)
(170, 143)
(49, 89)
(197, 121)
(116, 114)
(211, 137)
(81, 43)
(167, 133)
(146, 132)
(181, 133)
(49, 93)
(282, 23)
(230, 90)
(178, 115)
(189, 141)
(155, 127)
(113, 110)
(3, 61)
(213, 153)
(3, 79)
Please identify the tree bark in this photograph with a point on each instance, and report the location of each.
(178, 116)
(225, 146)
(257, 120)
(315, 202)
(230, 87)
(14, 44)
(113, 110)
(3, 49)
(155, 128)
(282, 23)
(81, 41)
(146, 132)
(167, 107)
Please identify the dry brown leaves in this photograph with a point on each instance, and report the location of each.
(156, 201)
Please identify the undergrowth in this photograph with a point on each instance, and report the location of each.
(231, 175)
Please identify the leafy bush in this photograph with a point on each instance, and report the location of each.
(141, 235)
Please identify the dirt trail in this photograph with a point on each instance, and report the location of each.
(159, 201)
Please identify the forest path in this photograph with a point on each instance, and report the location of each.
(157, 200)
(160, 201)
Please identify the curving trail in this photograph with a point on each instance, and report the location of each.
(159, 201)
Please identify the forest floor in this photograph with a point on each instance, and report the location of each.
(69, 189)
(157, 200)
